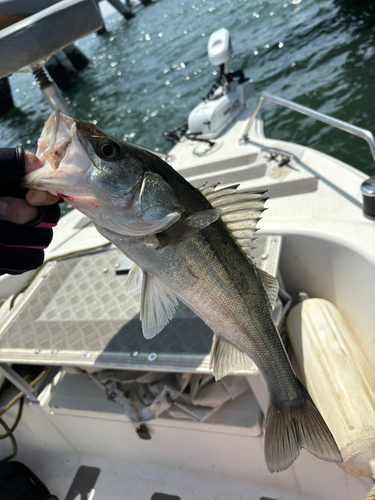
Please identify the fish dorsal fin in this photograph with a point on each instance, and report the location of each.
(240, 212)
(226, 359)
(271, 286)
(133, 280)
(158, 305)
(210, 191)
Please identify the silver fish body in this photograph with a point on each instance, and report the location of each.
(211, 275)
(184, 249)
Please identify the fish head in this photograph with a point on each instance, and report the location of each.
(110, 181)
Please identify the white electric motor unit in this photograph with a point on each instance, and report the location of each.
(212, 116)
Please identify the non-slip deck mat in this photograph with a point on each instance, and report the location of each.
(79, 315)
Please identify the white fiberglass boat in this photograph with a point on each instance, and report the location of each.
(117, 416)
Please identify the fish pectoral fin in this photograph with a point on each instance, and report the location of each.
(158, 305)
(185, 228)
(271, 285)
(226, 359)
(133, 280)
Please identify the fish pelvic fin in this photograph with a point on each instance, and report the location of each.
(289, 431)
(226, 359)
(133, 280)
(158, 303)
(158, 306)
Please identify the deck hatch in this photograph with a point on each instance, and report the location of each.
(77, 314)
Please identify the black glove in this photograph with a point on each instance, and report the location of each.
(22, 246)
(12, 169)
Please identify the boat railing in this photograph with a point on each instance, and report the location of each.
(329, 120)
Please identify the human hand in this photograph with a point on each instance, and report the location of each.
(22, 211)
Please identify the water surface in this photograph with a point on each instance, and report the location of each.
(147, 74)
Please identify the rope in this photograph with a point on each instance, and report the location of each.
(13, 440)
(371, 495)
(13, 428)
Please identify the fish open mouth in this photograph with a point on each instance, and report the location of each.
(65, 160)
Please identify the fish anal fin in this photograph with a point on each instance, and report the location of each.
(271, 285)
(226, 359)
(289, 431)
(187, 227)
(158, 305)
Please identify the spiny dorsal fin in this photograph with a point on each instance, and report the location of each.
(226, 359)
(133, 280)
(271, 286)
(216, 193)
(158, 305)
(206, 190)
(240, 212)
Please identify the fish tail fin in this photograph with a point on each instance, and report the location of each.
(289, 431)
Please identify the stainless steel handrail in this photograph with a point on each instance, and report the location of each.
(329, 120)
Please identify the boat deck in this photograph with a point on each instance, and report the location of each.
(75, 313)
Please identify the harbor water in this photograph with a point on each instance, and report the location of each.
(147, 74)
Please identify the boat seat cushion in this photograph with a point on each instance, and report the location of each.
(339, 379)
(28, 44)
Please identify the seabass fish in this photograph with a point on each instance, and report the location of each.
(193, 245)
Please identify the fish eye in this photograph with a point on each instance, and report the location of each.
(108, 149)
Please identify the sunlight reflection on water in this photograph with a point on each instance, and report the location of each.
(147, 74)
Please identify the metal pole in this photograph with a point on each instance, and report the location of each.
(19, 382)
(51, 92)
(329, 120)
(252, 118)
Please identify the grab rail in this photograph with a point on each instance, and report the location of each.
(329, 120)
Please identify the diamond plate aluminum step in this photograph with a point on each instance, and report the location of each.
(75, 313)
